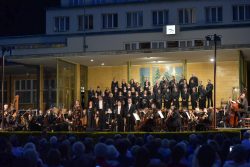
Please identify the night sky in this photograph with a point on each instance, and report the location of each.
(24, 17)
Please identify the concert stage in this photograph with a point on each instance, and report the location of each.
(235, 133)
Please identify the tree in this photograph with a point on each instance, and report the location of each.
(157, 75)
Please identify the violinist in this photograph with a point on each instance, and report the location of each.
(243, 105)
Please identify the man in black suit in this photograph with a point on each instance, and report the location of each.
(130, 121)
(119, 116)
(209, 89)
(194, 98)
(194, 79)
(173, 120)
(185, 98)
(114, 84)
(101, 108)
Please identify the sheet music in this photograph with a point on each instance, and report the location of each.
(160, 113)
(137, 118)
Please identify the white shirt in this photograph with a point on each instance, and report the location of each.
(129, 106)
(100, 104)
(119, 110)
(188, 115)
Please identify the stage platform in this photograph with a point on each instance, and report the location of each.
(236, 133)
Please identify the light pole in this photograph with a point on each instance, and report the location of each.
(4, 50)
(215, 38)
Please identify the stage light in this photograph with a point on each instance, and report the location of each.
(91, 60)
(212, 59)
(102, 64)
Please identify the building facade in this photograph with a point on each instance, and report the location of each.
(87, 43)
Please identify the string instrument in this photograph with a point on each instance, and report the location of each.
(84, 118)
(233, 117)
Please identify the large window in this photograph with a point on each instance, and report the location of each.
(110, 21)
(158, 44)
(241, 12)
(85, 22)
(49, 92)
(187, 16)
(26, 89)
(134, 19)
(214, 14)
(131, 46)
(61, 24)
(160, 17)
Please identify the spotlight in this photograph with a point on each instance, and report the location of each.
(91, 60)
(102, 64)
(212, 59)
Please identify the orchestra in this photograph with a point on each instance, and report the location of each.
(166, 106)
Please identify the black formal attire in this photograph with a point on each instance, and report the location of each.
(158, 100)
(174, 121)
(146, 85)
(111, 102)
(168, 100)
(195, 79)
(91, 95)
(209, 89)
(194, 99)
(119, 116)
(130, 120)
(121, 98)
(99, 93)
(101, 108)
(202, 99)
(114, 84)
(185, 99)
(156, 88)
(136, 101)
(176, 96)
(91, 118)
(144, 102)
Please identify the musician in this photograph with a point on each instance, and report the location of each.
(91, 115)
(114, 84)
(98, 91)
(137, 87)
(130, 121)
(129, 88)
(200, 85)
(202, 98)
(120, 97)
(132, 83)
(176, 96)
(40, 118)
(209, 89)
(136, 100)
(181, 82)
(243, 103)
(124, 84)
(147, 85)
(185, 98)
(172, 83)
(77, 112)
(101, 108)
(193, 81)
(158, 99)
(119, 116)
(194, 98)
(91, 94)
(110, 101)
(144, 100)
(173, 120)
(156, 87)
(167, 99)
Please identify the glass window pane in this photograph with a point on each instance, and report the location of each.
(187, 16)
(115, 20)
(207, 10)
(160, 17)
(91, 22)
(166, 17)
(140, 19)
(110, 18)
(22, 84)
(161, 45)
(104, 21)
(134, 19)
(67, 23)
(213, 11)
(220, 17)
(181, 16)
(247, 12)
(235, 13)
(128, 19)
(56, 24)
(154, 18)
(35, 84)
(241, 12)
(28, 82)
(17, 84)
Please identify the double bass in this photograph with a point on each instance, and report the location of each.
(233, 114)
